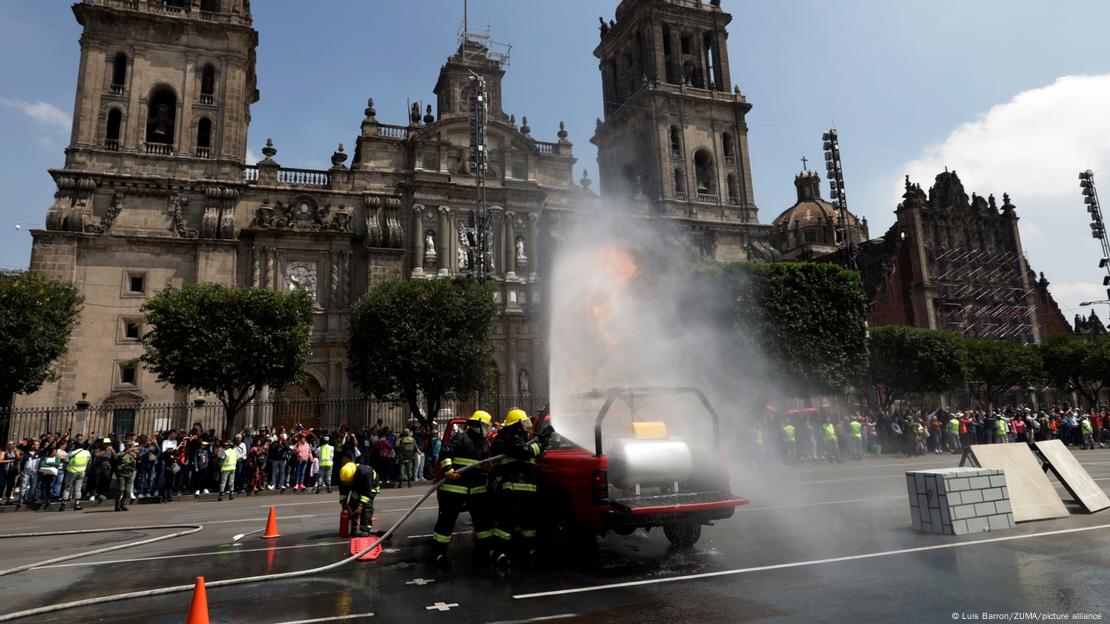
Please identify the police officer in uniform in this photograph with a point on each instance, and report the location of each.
(513, 487)
(466, 491)
(358, 485)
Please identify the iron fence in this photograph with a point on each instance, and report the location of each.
(356, 412)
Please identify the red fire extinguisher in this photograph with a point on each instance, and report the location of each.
(344, 523)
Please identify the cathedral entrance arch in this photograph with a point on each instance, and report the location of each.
(299, 404)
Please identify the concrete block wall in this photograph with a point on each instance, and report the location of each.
(958, 501)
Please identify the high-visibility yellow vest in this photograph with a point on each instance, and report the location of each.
(78, 461)
(230, 457)
(830, 432)
(759, 437)
(1000, 425)
(326, 451)
(788, 434)
(857, 429)
(954, 425)
(1085, 427)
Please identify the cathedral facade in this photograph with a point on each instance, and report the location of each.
(156, 190)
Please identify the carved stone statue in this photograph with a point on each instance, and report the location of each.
(301, 276)
(522, 382)
(520, 248)
(429, 243)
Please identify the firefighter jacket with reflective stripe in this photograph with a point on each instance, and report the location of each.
(363, 488)
(466, 448)
(325, 454)
(518, 467)
(79, 461)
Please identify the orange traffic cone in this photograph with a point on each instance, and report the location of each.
(271, 525)
(198, 611)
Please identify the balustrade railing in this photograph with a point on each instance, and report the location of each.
(250, 173)
(204, 152)
(207, 98)
(111, 144)
(547, 149)
(303, 177)
(708, 198)
(117, 89)
(159, 149)
(165, 7)
(393, 132)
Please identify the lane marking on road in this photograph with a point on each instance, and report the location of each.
(336, 618)
(237, 551)
(420, 582)
(798, 564)
(818, 503)
(542, 618)
(332, 502)
(442, 606)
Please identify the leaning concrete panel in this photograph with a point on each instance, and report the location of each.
(1074, 477)
(1031, 493)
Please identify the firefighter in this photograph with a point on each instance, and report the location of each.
(466, 491)
(358, 485)
(513, 483)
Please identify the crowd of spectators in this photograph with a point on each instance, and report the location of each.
(65, 469)
(819, 434)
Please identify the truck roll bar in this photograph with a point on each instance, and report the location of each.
(611, 395)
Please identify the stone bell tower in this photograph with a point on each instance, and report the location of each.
(164, 86)
(674, 132)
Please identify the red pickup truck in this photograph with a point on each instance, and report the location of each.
(643, 478)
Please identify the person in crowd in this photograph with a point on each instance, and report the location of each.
(386, 458)
(29, 477)
(279, 456)
(302, 455)
(406, 457)
(325, 457)
(202, 457)
(125, 466)
(75, 472)
(50, 466)
(789, 443)
(168, 460)
(9, 471)
(227, 460)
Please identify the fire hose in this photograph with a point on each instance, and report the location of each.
(194, 528)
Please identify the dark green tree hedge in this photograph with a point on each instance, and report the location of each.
(37, 316)
(1075, 364)
(430, 338)
(910, 360)
(808, 320)
(228, 342)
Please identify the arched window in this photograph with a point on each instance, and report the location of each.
(210, 6)
(161, 118)
(729, 148)
(680, 184)
(208, 84)
(111, 134)
(204, 138)
(705, 173)
(676, 142)
(119, 72)
(733, 190)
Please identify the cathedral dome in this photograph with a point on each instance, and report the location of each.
(811, 227)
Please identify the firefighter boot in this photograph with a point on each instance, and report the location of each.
(442, 563)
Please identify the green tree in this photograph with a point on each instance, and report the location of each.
(808, 319)
(996, 367)
(37, 315)
(430, 338)
(228, 342)
(1075, 364)
(910, 360)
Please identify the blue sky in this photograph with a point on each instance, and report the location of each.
(913, 86)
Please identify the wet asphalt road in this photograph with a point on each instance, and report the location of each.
(819, 543)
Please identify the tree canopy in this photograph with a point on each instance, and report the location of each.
(1076, 364)
(909, 360)
(422, 338)
(996, 367)
(809, 320)
(37, 316)
(228, 342)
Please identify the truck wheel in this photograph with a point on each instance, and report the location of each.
(625, 531)
(683, 534)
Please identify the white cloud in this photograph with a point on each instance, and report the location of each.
(1033, 147)
(44, 113)
(252, 158)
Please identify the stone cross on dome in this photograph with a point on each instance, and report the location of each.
(805, 164)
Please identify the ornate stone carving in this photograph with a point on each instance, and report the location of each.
(395, 230)
(109, 217)
(301, 275)
(72, 209)
(178, 204)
